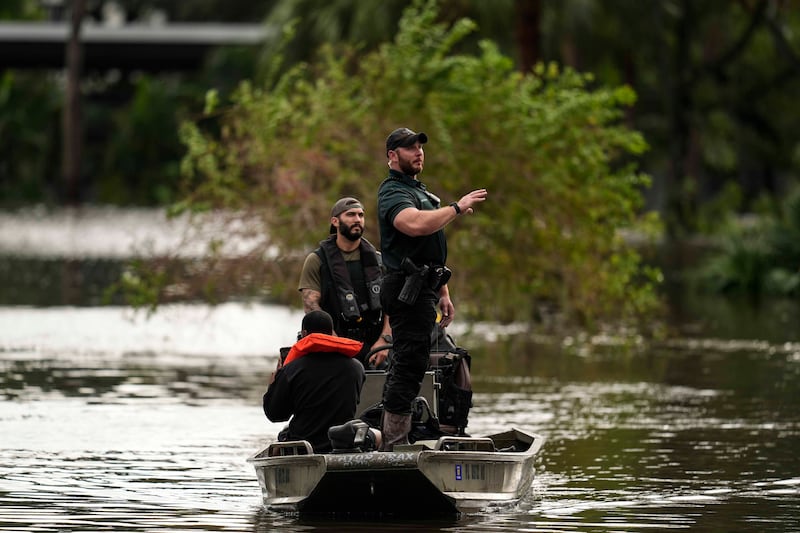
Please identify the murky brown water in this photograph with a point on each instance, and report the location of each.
(109, 421)
(97, 435)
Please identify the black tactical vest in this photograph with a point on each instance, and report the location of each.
(351, 290)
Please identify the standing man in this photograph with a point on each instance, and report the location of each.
(343, 277)
(414, 249)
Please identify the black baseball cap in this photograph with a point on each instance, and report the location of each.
(344, 204)
(404, 137)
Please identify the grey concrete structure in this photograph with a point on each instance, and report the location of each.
(41, 45)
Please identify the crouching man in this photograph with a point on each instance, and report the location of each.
(317, 386)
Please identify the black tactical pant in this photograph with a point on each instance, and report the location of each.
(411, 332)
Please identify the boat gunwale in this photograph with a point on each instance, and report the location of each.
(411, 454)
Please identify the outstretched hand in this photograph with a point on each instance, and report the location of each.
(469, 200)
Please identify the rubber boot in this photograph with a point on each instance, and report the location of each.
(394, 429)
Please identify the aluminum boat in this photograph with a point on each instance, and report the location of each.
(450, 476)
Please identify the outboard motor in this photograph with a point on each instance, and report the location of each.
(351, 437)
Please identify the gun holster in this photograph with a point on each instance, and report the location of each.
(415, 278)
(439, 277)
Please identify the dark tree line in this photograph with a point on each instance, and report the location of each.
(715, 83)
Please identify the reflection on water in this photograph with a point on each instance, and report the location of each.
(702, 439)
(90, 232)
(57, 281)
(113, 421)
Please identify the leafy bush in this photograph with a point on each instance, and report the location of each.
(30, 106)
(759, 256)
(550, 149)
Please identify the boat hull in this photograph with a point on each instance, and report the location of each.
(453, 475)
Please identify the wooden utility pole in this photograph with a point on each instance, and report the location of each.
(72, 119)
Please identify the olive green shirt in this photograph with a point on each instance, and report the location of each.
(310, 275)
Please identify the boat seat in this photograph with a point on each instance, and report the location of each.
(352, 436)
(291, 447)
(465, 444)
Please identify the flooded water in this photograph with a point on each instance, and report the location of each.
(113, 421)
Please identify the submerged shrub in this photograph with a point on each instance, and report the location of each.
(552, 152)
(760, 257)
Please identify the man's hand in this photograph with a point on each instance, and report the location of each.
(448, 310)
(377, 358)
(467, 201)
(274, 372)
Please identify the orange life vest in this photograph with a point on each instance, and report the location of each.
(320, 342)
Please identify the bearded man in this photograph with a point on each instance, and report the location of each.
(343, 278)
(411, 221)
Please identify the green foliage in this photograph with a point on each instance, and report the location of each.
(30, 106)
(552, 152)
(720, 208)
(20, 9)
(716, 81)
(142, 285)
(139, 162)
(760, 256)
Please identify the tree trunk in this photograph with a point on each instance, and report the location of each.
(681, 197)
(72, 125)
(528, 32)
